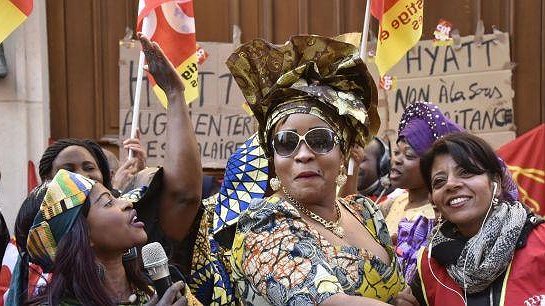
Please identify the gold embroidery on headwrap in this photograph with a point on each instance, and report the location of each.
(318, 70)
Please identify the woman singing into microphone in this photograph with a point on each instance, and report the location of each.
(82, 231)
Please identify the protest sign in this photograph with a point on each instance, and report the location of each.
(219, 121)
(471, 84)
(479, 102)
(425, 59)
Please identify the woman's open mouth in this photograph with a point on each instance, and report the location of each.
(134, 220)
(458, 201)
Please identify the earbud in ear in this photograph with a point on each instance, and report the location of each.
(494, 202)
(494, 189)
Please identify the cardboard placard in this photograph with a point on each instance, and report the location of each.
(425, 59)
(219, 121)
(478, 102)
(498, 139)
(470, 84)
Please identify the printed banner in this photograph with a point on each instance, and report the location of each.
(400, 28)
(172, 25)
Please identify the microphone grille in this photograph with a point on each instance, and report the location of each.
(153, 255)
(385, 182)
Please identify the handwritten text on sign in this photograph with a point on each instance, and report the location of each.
(480, 102)
(219, 122)
(425, 59)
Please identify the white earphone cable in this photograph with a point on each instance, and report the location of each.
(431, 270)
(464, 297)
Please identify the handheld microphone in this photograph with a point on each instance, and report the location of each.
(385, 182)
(156, 264)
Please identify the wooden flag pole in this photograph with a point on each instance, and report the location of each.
(137, 92)
(140, 74)
(363, 56)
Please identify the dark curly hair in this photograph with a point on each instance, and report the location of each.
(470, 152)
(51, 153)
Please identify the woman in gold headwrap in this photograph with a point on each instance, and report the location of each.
(313, 100)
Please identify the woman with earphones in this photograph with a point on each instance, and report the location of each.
(490, 248)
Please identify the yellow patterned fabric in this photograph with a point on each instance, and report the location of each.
(65, 196)
(191, 299)
(398, 212)
(210, 278)
(245, 179)
(278, 259)
(307, 68)
(65, 191)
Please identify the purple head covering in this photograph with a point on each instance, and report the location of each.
(510, 191)
(423, 123)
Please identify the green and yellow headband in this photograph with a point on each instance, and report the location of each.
(66, 194)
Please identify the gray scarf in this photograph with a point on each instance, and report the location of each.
(486, 255)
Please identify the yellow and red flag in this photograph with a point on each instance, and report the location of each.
(12, 14)
(525, 158)
(171, 23)
(400, 28)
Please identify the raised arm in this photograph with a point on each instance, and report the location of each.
(182, 172)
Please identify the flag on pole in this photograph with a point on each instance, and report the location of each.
(171, 23)
(400, 28)
(12, 14)
(525, 158)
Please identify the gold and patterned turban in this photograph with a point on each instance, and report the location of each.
(308, 74)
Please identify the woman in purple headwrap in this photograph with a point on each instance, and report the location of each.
(411, 216)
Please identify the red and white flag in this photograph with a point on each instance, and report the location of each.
(171, 23)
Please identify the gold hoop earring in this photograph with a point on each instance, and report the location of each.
(340, 180)
(275, 183)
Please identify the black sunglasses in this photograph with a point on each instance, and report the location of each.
(320, 140)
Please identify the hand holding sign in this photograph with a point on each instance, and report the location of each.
(219, 122)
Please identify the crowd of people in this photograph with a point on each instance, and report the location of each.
(430, 219)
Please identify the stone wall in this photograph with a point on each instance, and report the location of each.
(24, 109)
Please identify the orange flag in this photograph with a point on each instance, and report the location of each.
(12, 14)
(525, 158)
(400, 28)
(171, 24)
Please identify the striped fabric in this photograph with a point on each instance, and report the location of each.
(67, 192)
